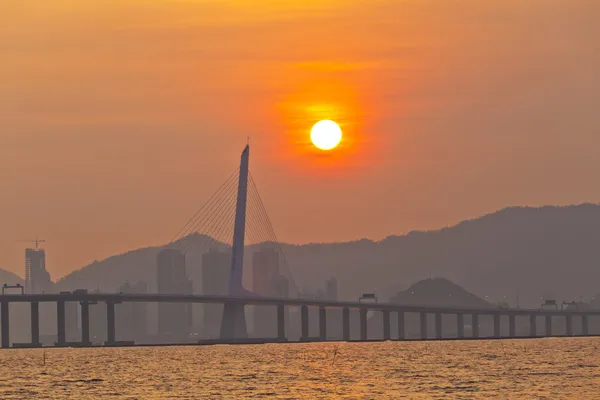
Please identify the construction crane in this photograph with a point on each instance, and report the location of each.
(36, 241)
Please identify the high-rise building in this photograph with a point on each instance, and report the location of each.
(132, 317)
(283, 287)
(216, 268)
(37, 278)
(174, 319)
(331, 289)
(265, 272)
(265, 282)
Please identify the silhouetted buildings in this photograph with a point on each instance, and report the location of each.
(174, 319)
(331, 289)
(216, 267)
(265, 272)
(283, 287)
(132, 317)
(266, 282)
(37, 278)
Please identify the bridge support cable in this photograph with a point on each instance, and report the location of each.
(263, 239)
(218, 230)
(265, 217)
(271, 241)
(254, 231)
(205, 221)
(206, 229)
(190, 225)
(256, 220)
(213, 226)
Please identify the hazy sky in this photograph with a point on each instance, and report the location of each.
(118, 118)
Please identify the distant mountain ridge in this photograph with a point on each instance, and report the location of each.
(522, 253)
(10, 278)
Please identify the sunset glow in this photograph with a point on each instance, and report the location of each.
(118, 108)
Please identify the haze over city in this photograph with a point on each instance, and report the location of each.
(120, 118)
(316, 199)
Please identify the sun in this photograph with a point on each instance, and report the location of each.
(326, 134)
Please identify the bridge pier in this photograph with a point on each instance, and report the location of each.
(60, 324)
(532, 325)
(233, 322)
(323, 323)
(569, 324)
(548, 325)
(304, 322)
(512, 331)
(460, 325)
(346, 324)
(497, 326)
(438, 325)
(281, 322)
(4, 320)
(363, 324)
(401, 330)
(35, 323)
(475, 325)
(423, 325)
(110, 324)
(85, 323)
(282, 307)
(386, 325)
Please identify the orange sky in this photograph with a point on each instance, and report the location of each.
(118, 118)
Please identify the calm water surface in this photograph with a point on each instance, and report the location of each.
(536, 369)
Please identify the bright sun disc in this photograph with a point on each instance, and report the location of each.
(326, 134)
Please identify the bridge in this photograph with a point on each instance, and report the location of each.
(233, 321)
(111, 299)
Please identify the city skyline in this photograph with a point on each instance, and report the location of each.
(459, 112)
(257, 246)
(318, 199)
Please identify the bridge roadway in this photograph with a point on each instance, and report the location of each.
(110, 299)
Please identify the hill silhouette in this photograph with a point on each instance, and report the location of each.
(516, 253)
(438, 292)
(136, 265)
(10, 278)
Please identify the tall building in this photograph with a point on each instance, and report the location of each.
(174, 319)
(216, 268)
(331, 289)
(132, 317)
(265, 272)
(37, 278)
(283, 287)
(265, 282)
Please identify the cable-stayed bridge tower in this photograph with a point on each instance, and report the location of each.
(233, 322)
(230, 232)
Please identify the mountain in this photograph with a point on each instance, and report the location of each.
(439, 292)
(517, 254)
(9, 278)
(136, 265)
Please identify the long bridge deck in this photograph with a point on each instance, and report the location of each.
(85, 299)
(265, 301)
